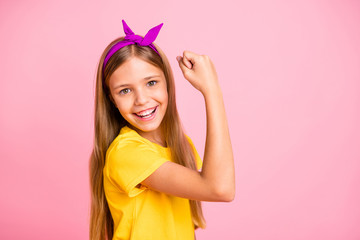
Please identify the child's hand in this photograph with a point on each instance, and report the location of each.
(199, 71)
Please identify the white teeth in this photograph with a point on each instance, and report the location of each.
(144, 113)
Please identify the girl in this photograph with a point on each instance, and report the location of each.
(145, 175)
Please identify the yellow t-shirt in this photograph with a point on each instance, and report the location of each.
(141, 213)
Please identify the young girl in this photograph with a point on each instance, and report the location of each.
(147, 179)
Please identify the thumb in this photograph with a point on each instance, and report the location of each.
(190, 58)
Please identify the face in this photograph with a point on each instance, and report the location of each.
(138, 90)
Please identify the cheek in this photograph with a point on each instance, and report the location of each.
(123, 106)
(163, 95)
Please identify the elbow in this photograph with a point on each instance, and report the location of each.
(225, 195)
(229, 197)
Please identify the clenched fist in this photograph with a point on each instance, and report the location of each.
(199, 71)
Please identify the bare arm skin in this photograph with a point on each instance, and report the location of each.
(216, 181)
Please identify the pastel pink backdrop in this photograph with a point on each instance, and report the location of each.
(290, 75)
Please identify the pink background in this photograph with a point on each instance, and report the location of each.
(290, 75)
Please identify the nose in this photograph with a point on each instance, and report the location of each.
(141, 97)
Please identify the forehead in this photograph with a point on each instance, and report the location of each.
(134, 70)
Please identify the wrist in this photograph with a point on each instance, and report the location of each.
(212, 92)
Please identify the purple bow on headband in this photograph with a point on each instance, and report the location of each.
(131, 38)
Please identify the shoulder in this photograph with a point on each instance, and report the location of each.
(188, 138)
(190, 141)
(128, 144)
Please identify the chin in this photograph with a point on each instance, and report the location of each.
(144, 127)
(147, 128)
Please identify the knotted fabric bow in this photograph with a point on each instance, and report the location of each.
(131, 38)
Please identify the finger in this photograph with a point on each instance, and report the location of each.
(181, 64)
(191, 57)
(184, 61)
(187, 62)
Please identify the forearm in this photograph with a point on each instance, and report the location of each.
(218, 163)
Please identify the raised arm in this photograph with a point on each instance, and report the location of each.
(216, 181)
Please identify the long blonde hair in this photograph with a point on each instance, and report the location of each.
(108, 122)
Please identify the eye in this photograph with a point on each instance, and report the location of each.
(124, 91)
(152, 83)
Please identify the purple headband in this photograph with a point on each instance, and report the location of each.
(131, 38)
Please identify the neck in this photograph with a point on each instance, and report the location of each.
(154, 136)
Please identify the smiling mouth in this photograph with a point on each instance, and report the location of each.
(147, 113)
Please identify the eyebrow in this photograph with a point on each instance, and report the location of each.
(145, 78)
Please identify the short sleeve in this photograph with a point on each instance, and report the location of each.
(131, 162)
(197, 156)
